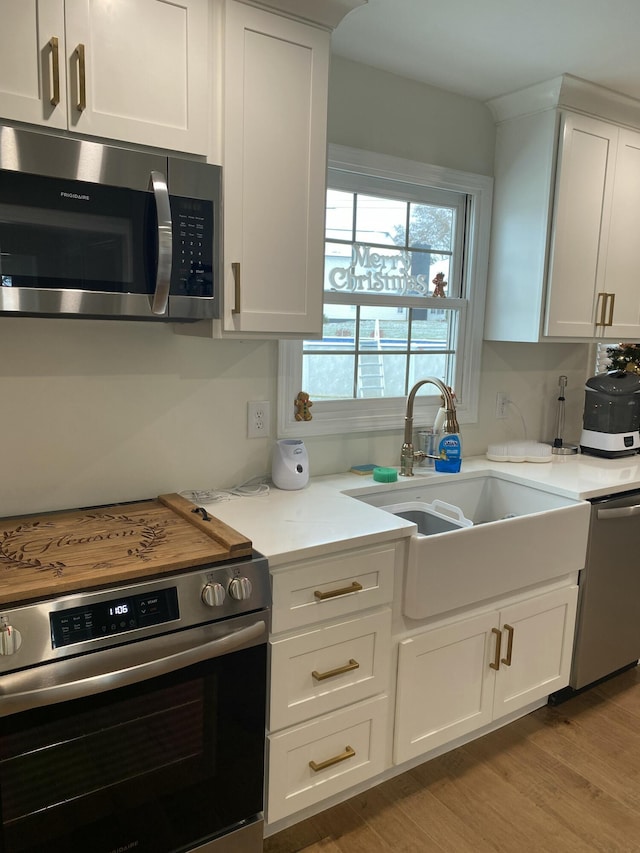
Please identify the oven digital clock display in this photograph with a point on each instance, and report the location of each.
(116, 616)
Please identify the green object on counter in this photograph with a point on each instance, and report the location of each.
(385, 475)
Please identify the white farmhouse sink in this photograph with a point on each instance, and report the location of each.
(520, 536)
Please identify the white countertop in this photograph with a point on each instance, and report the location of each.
(323, 517)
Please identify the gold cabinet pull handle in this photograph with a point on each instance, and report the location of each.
(610, 301)
(322, 765)
(606, 303)
(54, 100)
(507, 660)
(82, 79)
(333, 593)
(495, 663)
(347, 667)
(601, 309)
(235, 267)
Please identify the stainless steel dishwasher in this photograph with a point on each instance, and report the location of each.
(608, 625)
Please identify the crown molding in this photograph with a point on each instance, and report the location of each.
(567, 92)
(324, 13)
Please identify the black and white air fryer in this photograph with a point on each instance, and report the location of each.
(611, 418)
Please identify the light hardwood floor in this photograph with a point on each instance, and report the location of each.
(563, 779)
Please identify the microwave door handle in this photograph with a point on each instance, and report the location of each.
(23, 700)
(160, 300)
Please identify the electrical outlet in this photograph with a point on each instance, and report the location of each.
(502, 404)
(258, 419)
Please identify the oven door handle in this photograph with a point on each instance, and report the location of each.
(619, 512)
(12, 702)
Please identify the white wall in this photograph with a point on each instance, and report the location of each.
(95, 411)
(99, 411)
(382, 112)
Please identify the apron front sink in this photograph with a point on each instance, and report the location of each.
(502, 536)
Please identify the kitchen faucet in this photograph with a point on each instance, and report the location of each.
(408, 454)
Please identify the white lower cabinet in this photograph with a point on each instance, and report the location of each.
(330, 664)
(333, 691)
(458, 677)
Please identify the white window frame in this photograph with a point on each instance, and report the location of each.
(366, 415)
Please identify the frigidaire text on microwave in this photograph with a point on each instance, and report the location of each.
(94, 230)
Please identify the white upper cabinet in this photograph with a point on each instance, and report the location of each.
(135, 71)
(32, 62)
(622, 270)
(231, 80)
(586, 167)
(565, 252)
(275, 118)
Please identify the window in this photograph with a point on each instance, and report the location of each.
(399, 237)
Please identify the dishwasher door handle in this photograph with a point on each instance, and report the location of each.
(619, 512)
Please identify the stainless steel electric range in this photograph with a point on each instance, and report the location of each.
(132, 710)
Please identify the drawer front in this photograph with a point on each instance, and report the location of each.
(331, 587)
(345, 748)
(328, 667)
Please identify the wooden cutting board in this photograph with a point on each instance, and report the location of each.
(62, 552)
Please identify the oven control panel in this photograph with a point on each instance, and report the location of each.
(106, 618)
(66, 626)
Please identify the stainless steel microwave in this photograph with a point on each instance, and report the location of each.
(94, 230)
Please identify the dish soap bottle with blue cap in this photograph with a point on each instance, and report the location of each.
(449, 452)
(449, 449)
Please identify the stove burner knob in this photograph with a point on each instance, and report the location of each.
(240, 589)
(10, 640)
(213, 594)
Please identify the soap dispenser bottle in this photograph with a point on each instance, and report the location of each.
(449, 444)
(449, 452)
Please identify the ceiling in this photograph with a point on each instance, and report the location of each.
(486, 48)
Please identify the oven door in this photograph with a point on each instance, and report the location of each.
(168, 763)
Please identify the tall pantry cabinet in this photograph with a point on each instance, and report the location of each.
(565, 251)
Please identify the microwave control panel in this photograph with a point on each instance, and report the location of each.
(193, 246)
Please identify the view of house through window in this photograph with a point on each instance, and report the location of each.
(392, 283)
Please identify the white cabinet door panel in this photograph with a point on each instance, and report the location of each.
(146, 71)
(580, 226)
(543, 630)
(27, 61)
(623, 256)
(276, 73)
(445, 685)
